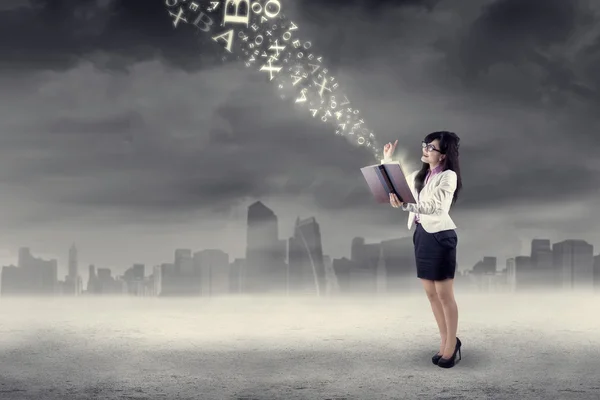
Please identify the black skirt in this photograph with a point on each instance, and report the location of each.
(435, 253)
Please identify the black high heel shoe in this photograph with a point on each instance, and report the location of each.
(436, 358)
(452, 361)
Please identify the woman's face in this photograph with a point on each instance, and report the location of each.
(431, 153)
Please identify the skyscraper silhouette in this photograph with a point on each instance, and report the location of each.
(214, 272)
(264, 270)
(305, 255)
(574, 262)
(33, 276)
(524, 276)
(92, 280)
(73, 282)
(542, 264)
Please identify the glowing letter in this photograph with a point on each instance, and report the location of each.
(236, 18)
(227, 39)
(179, 17)
(272, 14)
(207, 24)
(270, 68)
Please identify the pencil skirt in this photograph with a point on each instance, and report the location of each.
(435, 253)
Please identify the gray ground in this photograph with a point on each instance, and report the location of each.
(515, 347)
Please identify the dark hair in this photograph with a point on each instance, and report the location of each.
(449, 144)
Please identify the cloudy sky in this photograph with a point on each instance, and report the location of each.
(133, 138)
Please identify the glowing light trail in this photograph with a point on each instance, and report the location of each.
(258, 32)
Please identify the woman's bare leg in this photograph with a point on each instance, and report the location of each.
(445, 292)
(438, 310)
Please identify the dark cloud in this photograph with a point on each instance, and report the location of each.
(509, 31)
(176, 133)
(522, 51)
(58, 34)
(123, 159)
(365, 7)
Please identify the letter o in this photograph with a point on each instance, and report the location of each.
(270, 14)
(256, 3)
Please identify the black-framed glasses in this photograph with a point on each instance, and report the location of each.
(429, 147)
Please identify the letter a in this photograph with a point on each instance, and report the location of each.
(227, 37)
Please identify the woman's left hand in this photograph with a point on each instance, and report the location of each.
(394, 201)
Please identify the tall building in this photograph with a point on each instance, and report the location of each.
(540, 245)
(574, 262)
(235, 276)
(32, 276)
(185, 277)
(156, 272)
(331, 283)
(542, 264)
(524, 276)
(134, 278)
(486, 266)
(264, 270)
(368, 273)
(306, 270)
(343, 267)
(511, 274)
(92, 280)
(171, 281)
(183, 261)
(73, 281)
(139, 271)
(214, 272)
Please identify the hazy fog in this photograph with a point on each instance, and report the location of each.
(515, 346)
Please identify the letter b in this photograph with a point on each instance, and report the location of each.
(236, 18)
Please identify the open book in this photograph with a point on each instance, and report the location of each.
(384, 179)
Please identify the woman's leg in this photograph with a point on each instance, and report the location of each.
(438, 311)
(445, 292)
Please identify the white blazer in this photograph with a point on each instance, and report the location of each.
(433, 204)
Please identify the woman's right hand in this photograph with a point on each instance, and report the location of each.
(388, 150)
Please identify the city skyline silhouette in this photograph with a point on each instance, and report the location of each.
(299, 265)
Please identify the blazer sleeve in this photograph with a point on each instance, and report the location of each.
(441, 197)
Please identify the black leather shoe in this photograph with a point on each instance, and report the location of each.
(436, 358)
(452, 361)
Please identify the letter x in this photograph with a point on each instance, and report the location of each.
(179, 17)
(270, 69)
(322, 86)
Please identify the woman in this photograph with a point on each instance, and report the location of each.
(436, 186)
